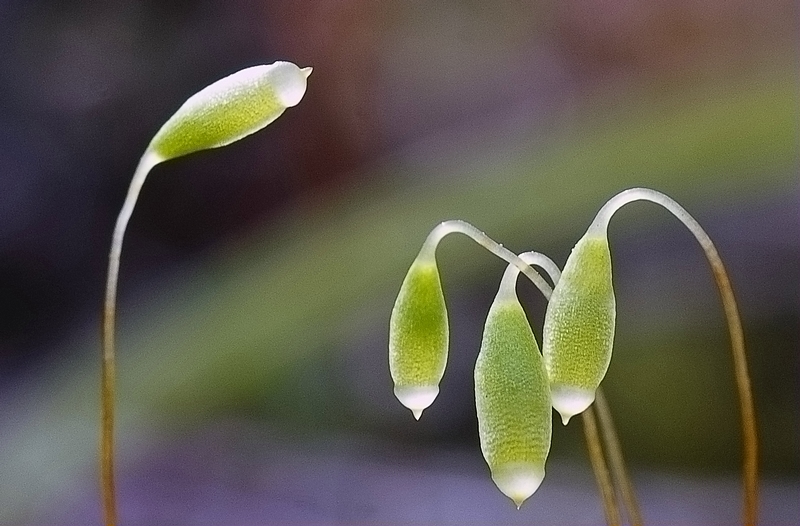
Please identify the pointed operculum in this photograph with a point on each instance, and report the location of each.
(570, 401)
(518, 480)
(417, 398)
(288, 82)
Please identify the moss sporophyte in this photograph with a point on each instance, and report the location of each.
(516, 386)
(224, 112)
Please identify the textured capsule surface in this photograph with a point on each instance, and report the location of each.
(231, 108)
(418, 337)
(512, 399)
(578, 332)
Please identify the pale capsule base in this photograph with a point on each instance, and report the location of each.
(416, 397)
(570, 401)
(518, 480)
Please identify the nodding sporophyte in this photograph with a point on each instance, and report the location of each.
(221, 113)
(516, 386)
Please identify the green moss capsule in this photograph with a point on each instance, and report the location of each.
(578, 329)
(512, 398)
(231, 108)
(418, 335)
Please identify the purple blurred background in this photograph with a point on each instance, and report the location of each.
(405, 99)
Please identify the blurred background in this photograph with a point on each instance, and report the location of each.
(257, 280)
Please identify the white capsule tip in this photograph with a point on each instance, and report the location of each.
(289, 82)
(570, 401)
(307, 71)
(519, 480)
(416, 397)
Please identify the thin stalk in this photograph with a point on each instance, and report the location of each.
(462, 227)
(509, 280)
(107, 363)
(743, 387)
(616, 461)
(600, 468)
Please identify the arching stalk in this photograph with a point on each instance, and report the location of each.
(462, 227)
(746, 406)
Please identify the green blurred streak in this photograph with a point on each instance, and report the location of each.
(220, 337)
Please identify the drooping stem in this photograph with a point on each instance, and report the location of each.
(600, 468)
(107, 367)
(462, 227)
(615, 458)
(746, 405)
(509, 281)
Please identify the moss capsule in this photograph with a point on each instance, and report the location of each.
(418, 336)
(231, 108)
(512, 398)
(578, 331)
